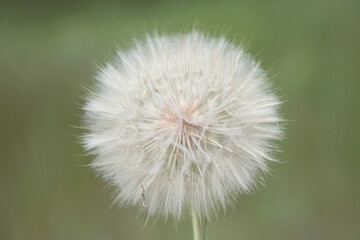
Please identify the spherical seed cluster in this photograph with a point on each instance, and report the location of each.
(181, 122)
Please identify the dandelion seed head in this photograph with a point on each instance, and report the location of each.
(185, 121)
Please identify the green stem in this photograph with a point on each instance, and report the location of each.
(198, 235)
(196, 225)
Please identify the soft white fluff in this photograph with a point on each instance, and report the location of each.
(189, 117)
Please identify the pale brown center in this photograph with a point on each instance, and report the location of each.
(179, 126)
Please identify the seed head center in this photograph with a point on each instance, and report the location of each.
(180, 125)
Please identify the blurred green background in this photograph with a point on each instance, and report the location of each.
(48, 50)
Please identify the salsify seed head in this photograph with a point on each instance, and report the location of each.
(181, 122)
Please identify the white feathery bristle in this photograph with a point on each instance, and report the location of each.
(181, 122)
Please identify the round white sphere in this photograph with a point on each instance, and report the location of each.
(181, 122)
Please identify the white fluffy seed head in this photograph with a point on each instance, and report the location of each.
(181, 122)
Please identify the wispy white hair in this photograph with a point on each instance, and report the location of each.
(180, 122)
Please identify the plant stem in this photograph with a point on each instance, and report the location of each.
(196, 225)
(197, 233)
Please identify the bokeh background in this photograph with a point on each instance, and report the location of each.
(49, 49)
